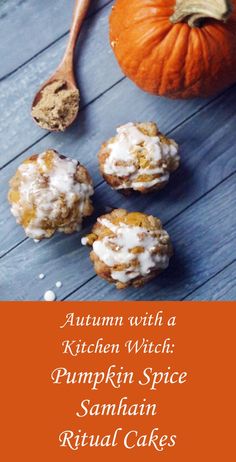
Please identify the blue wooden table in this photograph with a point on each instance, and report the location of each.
(198, 208)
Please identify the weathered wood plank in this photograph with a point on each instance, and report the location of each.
(201, 244)
(207, 156)
(97, 71)
(202, 248)
(220, 287)
(29, 26)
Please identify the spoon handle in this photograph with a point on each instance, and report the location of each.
(79, 13)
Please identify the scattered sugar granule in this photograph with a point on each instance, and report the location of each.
(84, 241)
(41, 276)
(49, 296)
(58, 284)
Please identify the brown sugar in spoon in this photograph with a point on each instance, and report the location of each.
(56, 104)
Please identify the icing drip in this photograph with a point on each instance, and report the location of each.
(123, 157)
(48, 189)
(132, 246)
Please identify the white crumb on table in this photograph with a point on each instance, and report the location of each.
(58, 284)
(84, 241)
(36, 241)
(41, 276)
(49, 296)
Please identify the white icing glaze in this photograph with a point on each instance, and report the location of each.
(49, 296)
(145, 184)
(42, 189)
(128, 141)
(115, 250)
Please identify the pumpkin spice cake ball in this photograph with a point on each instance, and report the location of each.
(50, 193)
(129, 249)
(138, 158)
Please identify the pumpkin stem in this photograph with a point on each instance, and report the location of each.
(194, 11)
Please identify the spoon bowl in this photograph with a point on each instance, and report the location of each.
(69, 85)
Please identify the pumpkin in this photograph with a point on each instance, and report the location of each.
(176, 48)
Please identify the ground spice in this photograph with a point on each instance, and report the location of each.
(57, 106)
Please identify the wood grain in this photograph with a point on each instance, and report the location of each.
(202, 249)
(220, 287)
(207, 157)
(17, 129)
(198, 206)
(29, 26)
(201, 244)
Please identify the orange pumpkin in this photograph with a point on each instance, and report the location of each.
(176, 48)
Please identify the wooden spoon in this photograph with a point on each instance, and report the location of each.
(65, 70)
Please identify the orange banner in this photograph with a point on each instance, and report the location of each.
(120, 381)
